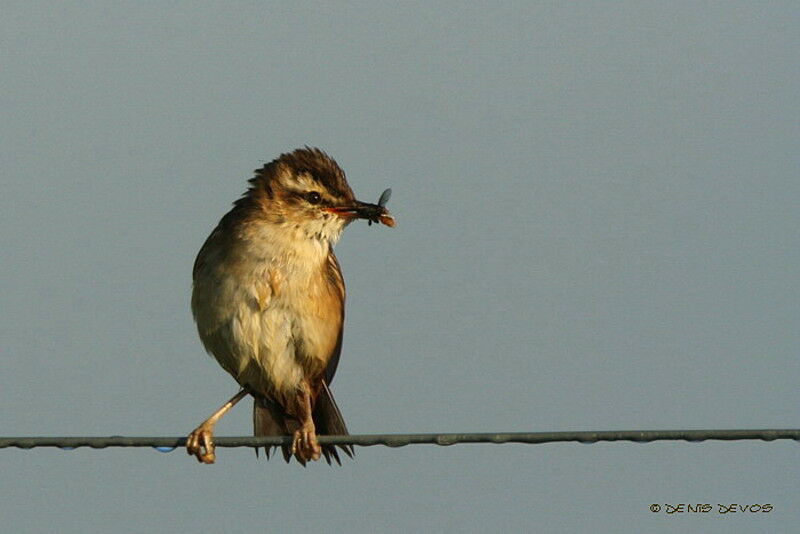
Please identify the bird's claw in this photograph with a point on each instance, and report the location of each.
(200, 444)
(305, 445)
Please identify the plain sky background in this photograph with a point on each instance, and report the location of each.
(598, 229)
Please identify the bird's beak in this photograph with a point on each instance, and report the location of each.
(364, 210)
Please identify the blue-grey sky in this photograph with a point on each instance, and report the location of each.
(598, 228)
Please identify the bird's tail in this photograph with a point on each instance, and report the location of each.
(270, 419)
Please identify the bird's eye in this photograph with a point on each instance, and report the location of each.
(313, 197)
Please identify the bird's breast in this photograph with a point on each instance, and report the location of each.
(270, 318)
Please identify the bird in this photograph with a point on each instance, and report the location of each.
(268, 299)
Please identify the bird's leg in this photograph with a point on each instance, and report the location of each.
(199, 443)
(305, 445)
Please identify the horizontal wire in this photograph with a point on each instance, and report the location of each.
(400, 440)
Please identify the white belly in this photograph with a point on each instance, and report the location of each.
(269, 334)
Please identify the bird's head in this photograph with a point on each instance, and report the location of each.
(307, 190)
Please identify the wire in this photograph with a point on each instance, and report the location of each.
(400, 440)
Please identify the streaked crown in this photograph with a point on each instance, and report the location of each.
(302, 171)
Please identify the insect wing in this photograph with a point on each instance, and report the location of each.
(385, 197)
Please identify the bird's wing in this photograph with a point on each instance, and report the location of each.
(335, 279)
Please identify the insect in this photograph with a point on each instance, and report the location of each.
(377, 213)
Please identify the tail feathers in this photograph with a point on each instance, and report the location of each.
(270, 419)
(328, 420)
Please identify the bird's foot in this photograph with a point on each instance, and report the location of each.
(200, 443)
(305, 445)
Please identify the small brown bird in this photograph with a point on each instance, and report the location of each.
(268, 299)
